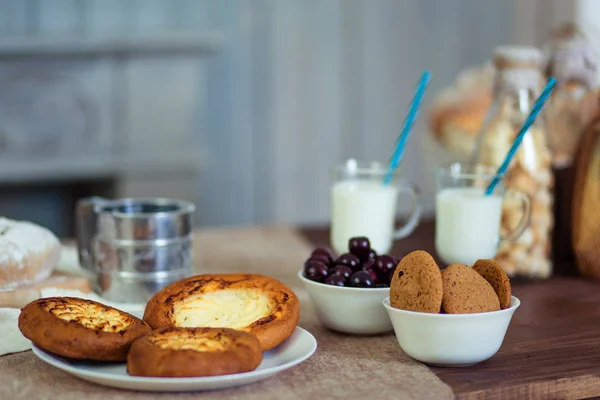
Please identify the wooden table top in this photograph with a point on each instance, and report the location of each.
(551, 349)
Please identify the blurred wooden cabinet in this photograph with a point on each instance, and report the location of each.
(130, 114)
(121, 107)
(100, 97)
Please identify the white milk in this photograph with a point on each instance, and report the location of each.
(363, 208)
(467, 225)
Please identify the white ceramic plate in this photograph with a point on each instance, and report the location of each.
(294, 350)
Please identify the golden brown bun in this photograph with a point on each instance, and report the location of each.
(189, 352)
(80, 329)
(223, 301)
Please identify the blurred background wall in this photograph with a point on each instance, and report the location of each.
(241, 106)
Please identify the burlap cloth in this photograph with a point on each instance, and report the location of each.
(344, 367)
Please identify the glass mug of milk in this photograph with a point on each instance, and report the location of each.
(467, 222)
(362, 205)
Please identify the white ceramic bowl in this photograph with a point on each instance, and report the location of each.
(451, 340)
(347, 309)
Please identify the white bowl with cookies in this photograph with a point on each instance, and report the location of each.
(451, 318)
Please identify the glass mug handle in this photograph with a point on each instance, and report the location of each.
(415, 211)
(524, 222)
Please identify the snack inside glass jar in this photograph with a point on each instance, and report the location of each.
(467, 221)
(362, 205)
(517, 83)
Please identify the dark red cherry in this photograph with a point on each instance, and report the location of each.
(324, 251)
(369, 266)
(335, 280)
(372, 253)
(342, 270)
(316, 271)
(373, 275)
(319, 257)
(349, 260)
(384, 265)
(361, 279)
(360, 247)
(382, 285)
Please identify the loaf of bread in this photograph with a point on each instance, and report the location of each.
(28, 253)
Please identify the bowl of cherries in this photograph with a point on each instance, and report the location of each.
(347, 291)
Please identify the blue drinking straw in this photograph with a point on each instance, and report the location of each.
(537, 107)
(408, 123)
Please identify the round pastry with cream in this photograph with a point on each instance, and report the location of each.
(80, 329)
(191, 352)
(28, 253)
(257, 304)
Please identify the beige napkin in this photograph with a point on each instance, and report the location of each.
(344, 367)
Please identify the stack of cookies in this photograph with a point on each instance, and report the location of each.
(419, 285)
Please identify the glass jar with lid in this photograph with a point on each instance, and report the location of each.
(518, 81)
(572, 59)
